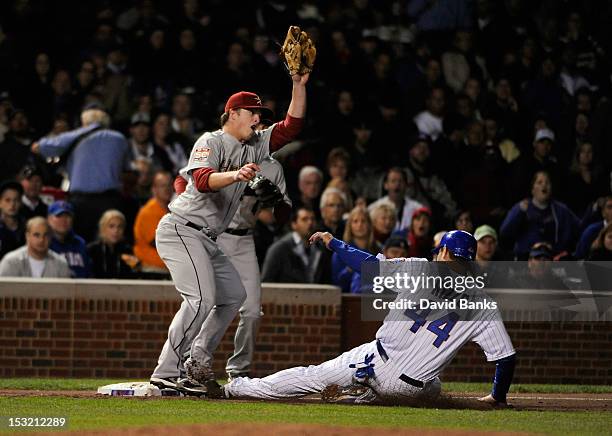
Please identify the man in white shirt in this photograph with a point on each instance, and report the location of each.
(396, 185)
(429, 121)
(35, 259)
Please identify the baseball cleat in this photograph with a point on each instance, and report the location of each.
(188, 387)
(210, 388)
(164, 383)
(339, 394)
(201, 380)
(198, 372)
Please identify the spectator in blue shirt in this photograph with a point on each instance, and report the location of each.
(64, 241)
(96, 158)
(539, 218)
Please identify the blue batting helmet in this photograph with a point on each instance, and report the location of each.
(458, 242)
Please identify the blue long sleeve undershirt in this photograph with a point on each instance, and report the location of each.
(504, 372)
(351, 256)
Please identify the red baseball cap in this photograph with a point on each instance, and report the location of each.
(247, 100)
(422, 211)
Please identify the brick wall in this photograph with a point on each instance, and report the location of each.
(104, 329)
(570, 352)
(116, 329)
(547, 352)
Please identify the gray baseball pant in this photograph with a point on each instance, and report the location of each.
(211, 290)
(241, 252)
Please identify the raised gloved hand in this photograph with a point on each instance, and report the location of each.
(299, 51)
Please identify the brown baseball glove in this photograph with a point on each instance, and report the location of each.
(299, 51)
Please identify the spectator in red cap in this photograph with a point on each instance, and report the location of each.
(418, 234)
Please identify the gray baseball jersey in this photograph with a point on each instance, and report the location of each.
(245, 218)
(221, 152)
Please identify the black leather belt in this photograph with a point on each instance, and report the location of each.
(409, 380)
(238, 232)
(199, 229)
(381, 351)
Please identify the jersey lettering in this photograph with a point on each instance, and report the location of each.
(440, 327)
(74, 259)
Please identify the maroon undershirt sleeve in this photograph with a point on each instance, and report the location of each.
(200, 178)
(180, 184)
(285, 131)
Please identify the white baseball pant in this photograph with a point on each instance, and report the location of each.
(304, 380)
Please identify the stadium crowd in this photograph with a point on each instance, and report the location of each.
(424, 116)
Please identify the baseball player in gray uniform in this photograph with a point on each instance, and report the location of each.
(409, 352)
(220, 164)
(238, 244)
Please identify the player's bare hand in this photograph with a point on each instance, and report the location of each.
(524, 204)
(35, 148)
(493, 402)
(300, 79)
(246, 173)
(326, 237)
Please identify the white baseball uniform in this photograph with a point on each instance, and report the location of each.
(186, 241)
(237, 243)
(407, 356)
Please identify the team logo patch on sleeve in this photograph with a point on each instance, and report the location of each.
(201, 154)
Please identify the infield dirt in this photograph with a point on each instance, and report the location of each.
(449, 400)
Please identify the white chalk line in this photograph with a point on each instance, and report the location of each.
(540, 398)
